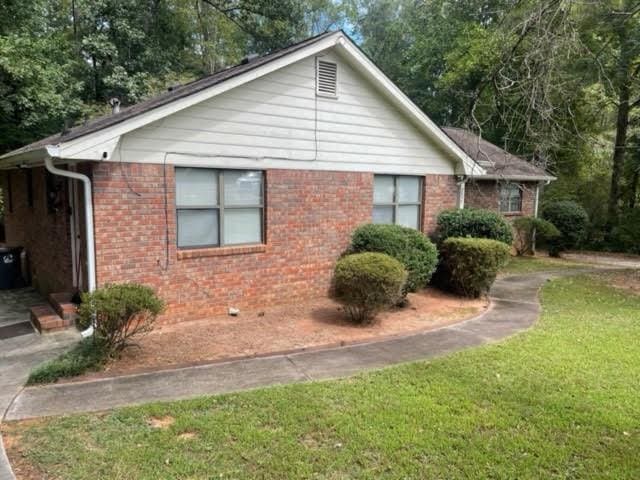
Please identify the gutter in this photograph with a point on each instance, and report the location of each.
(88, 212)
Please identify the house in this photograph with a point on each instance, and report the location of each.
(240, 189)
(509, 184)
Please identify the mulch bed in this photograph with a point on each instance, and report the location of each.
(284, 328)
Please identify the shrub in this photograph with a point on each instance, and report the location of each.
(410, 247)
(473, 223)
(366, 283)
(527, 228)
(470, 265)
(571, 220)
(87, 355)
(625, 236)
(121, 311)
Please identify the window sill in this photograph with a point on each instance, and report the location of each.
(220, 251)
(512, 214)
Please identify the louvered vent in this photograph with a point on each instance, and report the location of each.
(327, 78)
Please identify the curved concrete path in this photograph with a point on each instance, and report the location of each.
(514, 307)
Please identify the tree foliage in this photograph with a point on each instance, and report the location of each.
(554, 81)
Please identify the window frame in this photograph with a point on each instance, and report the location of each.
(510, 198)
(396, 204)
(220, 209)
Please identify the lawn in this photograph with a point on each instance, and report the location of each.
(521, 265)
(559, 401)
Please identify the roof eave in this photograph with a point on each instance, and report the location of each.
(26, 158)
(523, 178)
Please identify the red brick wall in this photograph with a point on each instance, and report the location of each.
(44, 235)
(486, 194)
(309, 219)
(440, 193)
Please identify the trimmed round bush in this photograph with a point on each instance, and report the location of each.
(571, 220)
(120, 311)
(470, 265)
(473, 223)
(366, 283)
(528, 227)
(410, 247)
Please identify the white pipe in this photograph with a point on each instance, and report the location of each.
(88, 213)
(72, 224)
(461, 192)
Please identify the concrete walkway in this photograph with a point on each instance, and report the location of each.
(514, 308)
(18, 355)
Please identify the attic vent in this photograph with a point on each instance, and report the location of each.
(326, 78)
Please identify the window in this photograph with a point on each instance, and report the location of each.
(326, 78)
(218, 207)
(510, 198)
(29, 179)
(397, 199)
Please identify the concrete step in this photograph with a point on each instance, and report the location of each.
(63, 306)
(45, 319)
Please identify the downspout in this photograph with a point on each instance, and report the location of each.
(536, 203)
(461, 183)
(88, 213)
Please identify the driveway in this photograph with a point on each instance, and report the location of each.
(22, 348)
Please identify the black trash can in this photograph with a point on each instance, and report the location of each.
(10, 276)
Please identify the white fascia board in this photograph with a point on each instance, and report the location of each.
(468, 165)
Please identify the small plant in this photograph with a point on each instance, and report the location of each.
(410, 247)
(529, 228)
(121, 311)
(87, 355)
(473, 223)
(366, 283)
(571, 220)
(470, 265)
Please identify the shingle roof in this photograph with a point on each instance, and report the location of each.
(169, 96)
(497, 162)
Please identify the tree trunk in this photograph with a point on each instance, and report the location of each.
(633, 188)
(622, 81)
(622, 126)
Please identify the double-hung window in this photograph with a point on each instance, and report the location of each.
(397, 200)
(510, 198)
(219, 207)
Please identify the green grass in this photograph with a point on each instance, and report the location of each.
(521, 265)
(82, 358)
(559, 401)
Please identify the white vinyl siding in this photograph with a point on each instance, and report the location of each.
(278, 121)
(218, 207)
(397, 200)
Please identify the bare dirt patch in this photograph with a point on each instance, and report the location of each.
(15, 449)
(285, 328)
(628, 280)
(161, 422)
(188, 436)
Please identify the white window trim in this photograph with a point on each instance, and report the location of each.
(396, 204)
(220, 207)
